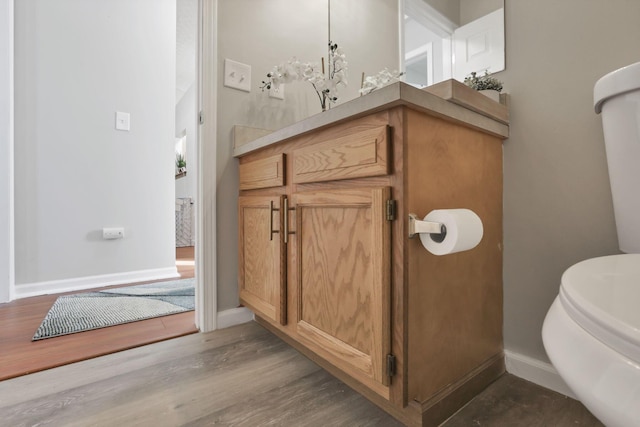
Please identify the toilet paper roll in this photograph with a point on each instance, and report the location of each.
(464, 231)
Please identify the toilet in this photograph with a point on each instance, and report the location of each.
(592, 330)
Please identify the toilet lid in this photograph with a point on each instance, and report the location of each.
(603, 296)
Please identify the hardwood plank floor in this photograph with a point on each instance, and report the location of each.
(512, 401)
(19, 320)
(240, 376)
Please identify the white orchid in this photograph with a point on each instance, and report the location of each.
(326, 86)
(380, 80)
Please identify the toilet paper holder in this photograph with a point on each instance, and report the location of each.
(437, 230)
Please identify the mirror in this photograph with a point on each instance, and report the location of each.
(451, 39)
(367, 30)
(430, 40)
(415, 36)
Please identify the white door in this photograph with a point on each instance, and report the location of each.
(479, 46)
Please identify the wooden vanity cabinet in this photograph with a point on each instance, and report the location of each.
(326, 263)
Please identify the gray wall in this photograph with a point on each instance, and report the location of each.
(557, 201)
(449, 8)
(356, 26)
(77, 63)
(470, 10)
(462, 12)
(300, 29)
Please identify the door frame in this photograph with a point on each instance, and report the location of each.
(7, 244)
(205, 257)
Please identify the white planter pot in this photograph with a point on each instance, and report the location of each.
(493, 94)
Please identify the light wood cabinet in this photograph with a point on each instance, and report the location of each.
(326, 262)
(262, 275)
(343, 278)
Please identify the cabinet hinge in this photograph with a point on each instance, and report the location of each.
(391, 210)
(391, 365)
(201, 117)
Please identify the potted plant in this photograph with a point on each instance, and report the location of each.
(487, 85)
(181, 164)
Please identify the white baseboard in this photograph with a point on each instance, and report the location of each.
(536, 371)
(234, 316)
(88, 282)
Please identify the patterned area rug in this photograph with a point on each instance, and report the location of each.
(94, 310)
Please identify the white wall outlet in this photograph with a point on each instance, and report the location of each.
(277, 93)
(123, 121)
(237, 75)
(112, 233)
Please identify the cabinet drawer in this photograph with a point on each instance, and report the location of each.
(361, 154)
(262, 173)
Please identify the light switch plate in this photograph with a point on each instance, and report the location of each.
(277, 93)
(123, 121)
(237, 75)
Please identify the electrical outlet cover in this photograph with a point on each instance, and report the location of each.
(113, 233)
(237, 75)
(277, 93)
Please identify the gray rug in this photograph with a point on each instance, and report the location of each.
(94, 310)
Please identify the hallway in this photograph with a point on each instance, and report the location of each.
(19, 320)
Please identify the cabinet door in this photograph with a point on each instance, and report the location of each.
(342, 252)
(262, 256)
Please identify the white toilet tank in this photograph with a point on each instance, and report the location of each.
(617, 98)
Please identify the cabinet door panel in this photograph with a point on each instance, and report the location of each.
(261, 257)
(343, 276)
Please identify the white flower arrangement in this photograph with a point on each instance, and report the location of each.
(326, 86)
(378, 81)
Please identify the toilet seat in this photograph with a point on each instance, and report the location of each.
(602, 295)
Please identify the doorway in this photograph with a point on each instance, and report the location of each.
(186, 127)
(206, 294)
(21, 318)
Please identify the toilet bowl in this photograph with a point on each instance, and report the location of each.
(592, 336)
(592, 330)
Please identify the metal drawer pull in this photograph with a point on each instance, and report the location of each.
(286, 221)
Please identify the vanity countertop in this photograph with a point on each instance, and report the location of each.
(393, 95)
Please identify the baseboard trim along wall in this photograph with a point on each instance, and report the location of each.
(234, 316)
(88, 282)
(536, 371)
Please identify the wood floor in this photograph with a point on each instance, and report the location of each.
(240, 376)
(20, 319)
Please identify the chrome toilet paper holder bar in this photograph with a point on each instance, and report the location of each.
(437, 230)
